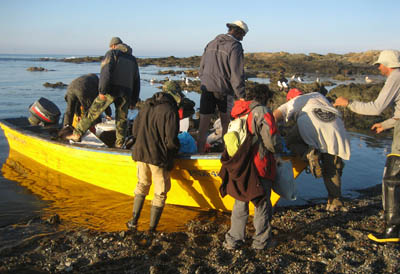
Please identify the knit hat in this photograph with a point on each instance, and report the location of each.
(115, 41)
(173, 89)
(240, 24)
(389, 58)
(293, 93)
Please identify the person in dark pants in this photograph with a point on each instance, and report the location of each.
(389, 66)
(222, 77)
(119, 84)
(155, 136)
(80, 95)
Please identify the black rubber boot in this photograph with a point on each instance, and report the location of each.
(155, 215)
(391, 202)
(137, 208)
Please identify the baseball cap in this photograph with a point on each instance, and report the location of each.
(389, 58)
(293, 93)
(240, 24)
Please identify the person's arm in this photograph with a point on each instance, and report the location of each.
(172, 131)
(387, 124)
(136, 85)
(236, 64)
(385, 98)
(107, 67)
(278, 115)
(70, 110)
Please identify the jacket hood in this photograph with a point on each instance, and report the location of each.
(124, 48)
(240, 108)
(162, 98)
(226, 38)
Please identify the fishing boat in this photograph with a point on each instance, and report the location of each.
(194, 179)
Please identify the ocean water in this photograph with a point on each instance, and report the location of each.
(22, 194)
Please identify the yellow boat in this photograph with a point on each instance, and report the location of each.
(195, 181)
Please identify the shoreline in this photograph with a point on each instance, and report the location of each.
(309, 240)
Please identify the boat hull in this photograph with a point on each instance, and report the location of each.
(194, 179)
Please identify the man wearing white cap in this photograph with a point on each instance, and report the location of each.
(389, 65)
(222, 78)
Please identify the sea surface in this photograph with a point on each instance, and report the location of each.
(28, 189)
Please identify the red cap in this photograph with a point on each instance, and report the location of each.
(293, 93)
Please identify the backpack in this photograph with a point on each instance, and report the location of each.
(236, 134)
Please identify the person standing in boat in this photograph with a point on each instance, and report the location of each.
(256, 164)
(80, 95)
(155, 136)
(319, 137)
(119, 84)
(389, 66)
(222, 77)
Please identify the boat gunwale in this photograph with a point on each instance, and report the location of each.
(127, 152)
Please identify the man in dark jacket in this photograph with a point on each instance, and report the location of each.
(222, 77)
(155, 134)
(80, 95)
(119, 83)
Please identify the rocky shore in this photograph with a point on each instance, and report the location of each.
(308, 240)
(283, 65)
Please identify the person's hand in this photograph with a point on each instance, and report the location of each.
(108, 118)
(377, 128)
(341, 102)
(102, 97)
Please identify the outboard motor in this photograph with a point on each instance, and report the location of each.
(44, 112)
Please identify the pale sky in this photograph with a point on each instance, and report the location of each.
(183, 28)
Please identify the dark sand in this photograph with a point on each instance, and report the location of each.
(309, 240)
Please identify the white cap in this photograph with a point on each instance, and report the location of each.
(389, 58)
(240, 24)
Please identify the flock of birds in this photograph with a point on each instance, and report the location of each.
(282, 84)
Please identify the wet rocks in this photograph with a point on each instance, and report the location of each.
(309, 240)
(55, 85)
(36, 69)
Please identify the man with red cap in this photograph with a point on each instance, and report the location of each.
(319, 137)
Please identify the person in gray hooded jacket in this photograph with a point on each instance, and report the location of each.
(389, 65)
(222, 78)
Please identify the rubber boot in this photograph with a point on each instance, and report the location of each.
(390, 201)
(137, 208)
(155, 215)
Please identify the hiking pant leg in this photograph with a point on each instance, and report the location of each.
(121, 113)
(96, 109)
(332, 167)
(162, 184)
(239, 216)
(204, 126)
(396, 139)
(226, 116)
(144, 179)
(262, 219)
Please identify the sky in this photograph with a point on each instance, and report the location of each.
(183, 28)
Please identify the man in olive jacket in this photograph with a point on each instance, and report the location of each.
(155, 134)
(119, 84)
